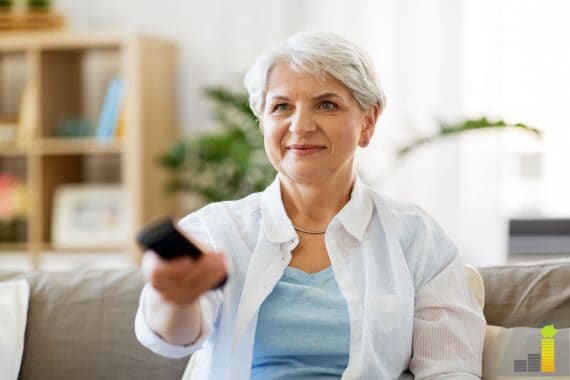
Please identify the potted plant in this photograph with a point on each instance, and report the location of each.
(225, 164)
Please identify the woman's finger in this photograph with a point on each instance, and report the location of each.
(199, 277)
(209, 272)
(183, 280)
(171, 273)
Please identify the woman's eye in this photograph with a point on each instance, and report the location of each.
(281, 107)
(328, 105)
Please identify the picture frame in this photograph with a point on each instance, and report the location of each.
(89, 216)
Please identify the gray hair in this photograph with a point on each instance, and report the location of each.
(318, 53)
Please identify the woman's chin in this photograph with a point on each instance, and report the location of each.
(307, 175)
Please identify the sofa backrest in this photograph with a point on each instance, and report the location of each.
(81, 326)
(527, 295)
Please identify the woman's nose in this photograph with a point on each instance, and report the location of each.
(302, 122)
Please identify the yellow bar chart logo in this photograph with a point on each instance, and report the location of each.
(547, 350)
(545, 361)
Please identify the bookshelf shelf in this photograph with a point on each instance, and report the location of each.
(13, 247)
(50, 248)
(11, 149)
(49, 78)
(63, 146)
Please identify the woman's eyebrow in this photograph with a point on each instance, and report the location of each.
(278, 97)
(327, 95)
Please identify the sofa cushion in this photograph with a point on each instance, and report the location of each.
(81, 326)
(475, 284)
(529, 296)
(504, 346)
(14, 299)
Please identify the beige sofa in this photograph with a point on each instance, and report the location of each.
(80, 325)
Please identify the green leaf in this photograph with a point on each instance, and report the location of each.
(174, 159)
(465, 126)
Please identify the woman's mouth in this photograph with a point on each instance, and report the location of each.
(305, 149)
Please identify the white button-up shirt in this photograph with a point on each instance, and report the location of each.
(408, 302)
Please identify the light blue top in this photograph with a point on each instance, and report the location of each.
(303, 329)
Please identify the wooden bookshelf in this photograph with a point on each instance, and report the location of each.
(59, 64)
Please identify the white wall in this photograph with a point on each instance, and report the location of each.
(437, 59)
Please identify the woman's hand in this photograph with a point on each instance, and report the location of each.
(170, 307)
(182, 280)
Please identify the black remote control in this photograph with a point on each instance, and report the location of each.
(165, 239)
(168, 242)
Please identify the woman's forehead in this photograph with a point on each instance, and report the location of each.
(284, 80)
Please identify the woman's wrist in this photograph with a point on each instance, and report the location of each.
(177, 324)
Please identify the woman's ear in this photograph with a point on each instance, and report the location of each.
(370, 119)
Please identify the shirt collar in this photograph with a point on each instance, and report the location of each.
(274, 220)
(354, 216)
(356, 213)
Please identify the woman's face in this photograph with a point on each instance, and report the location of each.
(312, 126)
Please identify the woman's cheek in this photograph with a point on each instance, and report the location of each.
(346, 134)
(272, 148)
(274, 140)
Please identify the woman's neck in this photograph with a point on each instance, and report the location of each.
(312, 206)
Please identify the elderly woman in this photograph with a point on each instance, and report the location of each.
(327, 279)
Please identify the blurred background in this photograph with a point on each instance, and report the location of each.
(484, 83)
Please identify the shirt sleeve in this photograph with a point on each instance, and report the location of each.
(209, 302)
(449, 326)
(154, 342)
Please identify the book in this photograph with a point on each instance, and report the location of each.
(122, 122)
(109, 116)
(28, 114)
(13, 199)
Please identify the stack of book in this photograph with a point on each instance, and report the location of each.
(111, 124)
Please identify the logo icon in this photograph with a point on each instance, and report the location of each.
(545, 362)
